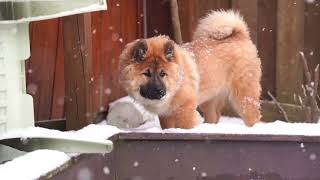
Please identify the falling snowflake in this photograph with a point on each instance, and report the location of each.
(311, 53)
(107, 91)
(136, 164)
(115, 36)
(312, 156)
(204, 174)
(32, 88)
(106, 170)
(84, 174)
(88, 114)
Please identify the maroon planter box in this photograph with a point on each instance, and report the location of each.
(157, 156)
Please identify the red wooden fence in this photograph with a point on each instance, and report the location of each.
(111, 30)
(124, 22)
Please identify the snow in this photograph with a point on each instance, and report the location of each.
(138, 120)
(93, 133)
(313, 156)
(91, 8)
(232, 125)
(203, 174)
(106, 170)
(136, 164)
(42, 161)
(227, 125)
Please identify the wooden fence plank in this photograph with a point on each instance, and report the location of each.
(267, 28)
(188, 18)
(141, 14)
(78, 56)
(116, 46)
(191, 11)
(250, 13)
(97, 85)
(129, 31)
(57, 109)
(40, 68)
(44, 76)
(290, 38)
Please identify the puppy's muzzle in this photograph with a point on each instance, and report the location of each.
(152, 91)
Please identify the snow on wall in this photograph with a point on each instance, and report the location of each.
(32, 165)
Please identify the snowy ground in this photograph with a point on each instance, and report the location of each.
(121, 116)
(32, 165)
(143, 122)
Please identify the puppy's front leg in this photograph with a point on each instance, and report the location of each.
(184, 117)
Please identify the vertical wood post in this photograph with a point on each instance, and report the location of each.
(267, 29)
(249, 10)
(290, 40)
(188, 18)
(174, 9)
(78, 81)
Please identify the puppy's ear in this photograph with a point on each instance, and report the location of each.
(169, 50)
(139, 50)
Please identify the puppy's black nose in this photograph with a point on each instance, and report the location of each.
(152, 91)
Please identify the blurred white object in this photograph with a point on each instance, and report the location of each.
(16, 106)
(125, 113)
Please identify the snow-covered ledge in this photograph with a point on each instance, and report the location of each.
(142, 122)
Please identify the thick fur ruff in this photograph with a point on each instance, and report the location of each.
(221, 63)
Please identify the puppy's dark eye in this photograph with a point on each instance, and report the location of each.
(169, 50)
(147, 73)
(162, 73)
(139, 50)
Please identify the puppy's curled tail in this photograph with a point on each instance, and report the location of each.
(221, 25)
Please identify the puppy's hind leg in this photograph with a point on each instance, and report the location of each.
(212, 109)
(244, 96)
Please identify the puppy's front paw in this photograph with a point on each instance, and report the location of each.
(182, 118)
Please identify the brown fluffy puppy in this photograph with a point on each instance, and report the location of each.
(220, 63)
